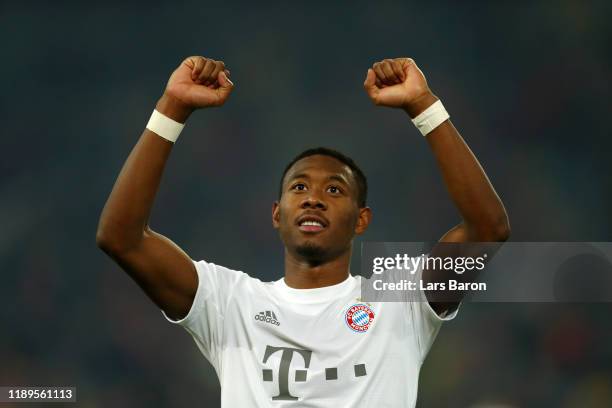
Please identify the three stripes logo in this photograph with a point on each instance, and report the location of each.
(268, 317)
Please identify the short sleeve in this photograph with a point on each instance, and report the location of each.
(426, 322)
(205, 319)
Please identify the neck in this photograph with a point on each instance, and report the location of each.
(300, 274)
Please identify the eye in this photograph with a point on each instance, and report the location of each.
(334, 190)
(299, 187)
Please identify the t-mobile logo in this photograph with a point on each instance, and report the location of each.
(331, 373)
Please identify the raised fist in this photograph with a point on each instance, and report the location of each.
(200, 82)
(397, 83)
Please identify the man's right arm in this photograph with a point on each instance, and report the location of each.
(164, 271)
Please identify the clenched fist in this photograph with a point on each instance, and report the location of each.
(198, 82)
(398, 83)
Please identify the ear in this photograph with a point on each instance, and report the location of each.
(365, 216)
(276, 215)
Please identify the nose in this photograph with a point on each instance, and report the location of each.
(312, 201)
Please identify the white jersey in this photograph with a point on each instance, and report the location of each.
(275, 346)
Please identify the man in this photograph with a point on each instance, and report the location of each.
(306, 339)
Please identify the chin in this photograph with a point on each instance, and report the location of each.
(312, 252)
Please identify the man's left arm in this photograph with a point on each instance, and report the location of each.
(400, 83)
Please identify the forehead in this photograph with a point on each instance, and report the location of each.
(320, 166)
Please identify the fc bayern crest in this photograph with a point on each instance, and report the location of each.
(359, 317)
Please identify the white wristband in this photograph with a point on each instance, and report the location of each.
(431, 118)
(165, 127)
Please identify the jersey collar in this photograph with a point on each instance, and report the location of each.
(316, 295)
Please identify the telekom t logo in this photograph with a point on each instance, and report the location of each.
(331, 373)
(283, 370)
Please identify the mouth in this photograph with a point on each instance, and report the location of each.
(311, 223)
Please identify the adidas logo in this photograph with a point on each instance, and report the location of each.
(268, 316)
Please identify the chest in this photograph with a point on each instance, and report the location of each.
(317, 351)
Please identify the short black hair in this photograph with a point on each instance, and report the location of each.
(360, 178)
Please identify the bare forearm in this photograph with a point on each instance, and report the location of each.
(160, 267)
(399, 83)
(468, 185)
(127, 209)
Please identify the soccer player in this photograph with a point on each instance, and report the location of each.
(306, 339)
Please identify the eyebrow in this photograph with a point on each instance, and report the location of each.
(336, 177)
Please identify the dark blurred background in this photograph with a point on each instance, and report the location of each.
(527, 84)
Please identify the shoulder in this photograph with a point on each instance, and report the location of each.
(226, 277)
